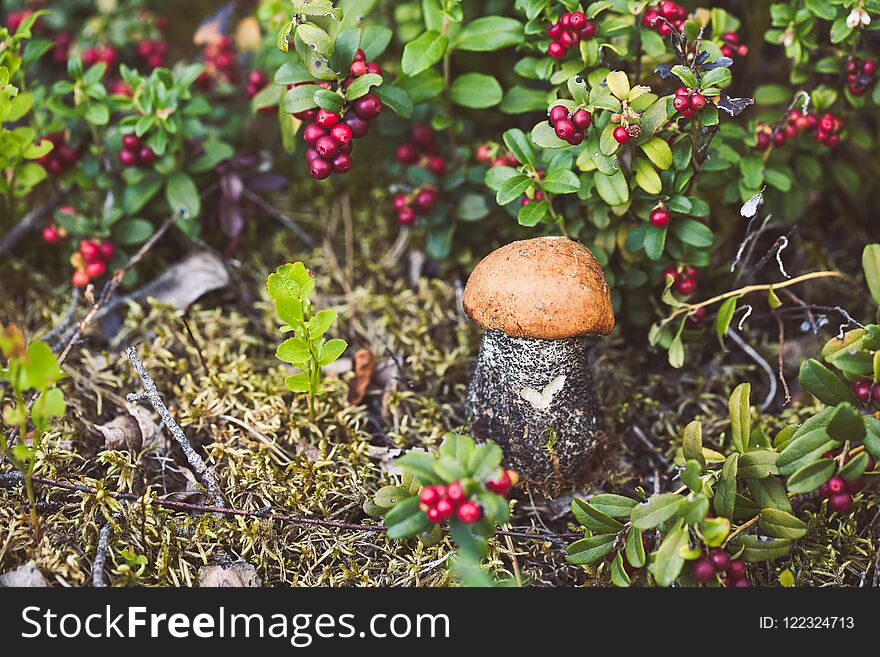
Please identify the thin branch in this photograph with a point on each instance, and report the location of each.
(764, 365)
(101, 556)
(206, 474)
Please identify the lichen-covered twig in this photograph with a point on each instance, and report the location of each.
(205, 474)
(101, 555)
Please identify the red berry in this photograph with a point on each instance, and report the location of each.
(862, 391)
(687, 286)
(406, 215)
(433, 515)
(67, 155)
(840, 503)
(680, 103)
(428, 496)
(341, 133)
(326, 146)
(565, 21)
(484, 153)
(763, 141)
(730, 37)
(455, 493)
(698, 101)
(556, 50)
(827, 123)
(836, 486)
(564, 129)
(445, 508)
(670, 271)
(50, 234)
(588, 31)
(576, 138)
(469, 513)
(107, 250)
(407, 154)
(311, 154)
(358, 68)
(146, 156)
(659, 218)
(342, 163)
(307, 115)
(80, 279)
(327, 119)
(373, 67)
(319, 168)
(359, 127)
(742, 583)
(312, 133)
(127, 158)
(558, 113)
(568, 39)
(422, 135)
(703, 570)
(500, 485)
(554, 30)
(869, 67)
(360, 55)
(721, 559)
(833, 141)
(669, 9)
(368, 107)
(649, 18)
(742, 50)
(95, 268)
(621, 135)
(131, 141)
(437, 165)
(689, 271)
(425, 201)
(779, 139)
(577, 20)
(726, 51)
(582, 119)
(257, 78)
(399, 201)
(89, 250)
(54, 167)
(663, 29)
(736, 569)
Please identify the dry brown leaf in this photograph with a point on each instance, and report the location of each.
(364, 362)
(129, 431)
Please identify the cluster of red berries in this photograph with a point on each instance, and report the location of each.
(687, 101)
(718, 562)
(684, 280)
(410, 207)
(61, 157)
(860, 74)
(101, 52)
(827, 129)
(839, 491)
(135, 153)
(442, 502)
(152, 52)
(360, 66)
(219, 62)
(865, 391)
(732, 46)
(422, 149)
(674, 14)
(570, 126)
(330, 135)
(91, 261)
(568, 31)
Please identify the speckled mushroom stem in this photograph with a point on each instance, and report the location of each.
(535, 399)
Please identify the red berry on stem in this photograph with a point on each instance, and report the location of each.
(582, 119)
(131, 141)
(649, 18)
(342, 163)
(50, 234)
(422, 135)
(406, 215)
(836, 485)
(556, 50)
(669, 271)
(862, 391)
(554, 30)
(89, 250)
(368, 107)
(407, 154)
(576, 138)
(358, 68)
(621, 135)
(455, 493)
(659, 218)
(687, 286)
(326, 146)
(95, 268)
(428, 496)
(327, 119)
(742, 583)
(437, 165)
(736, 569)
(501, 484)
(577, 19)
(127, 158)
(568, 39)
(721, 559)
(359, 127)
(445, 508)
(433, 515)
(698, 101)
(588, 31)
(558, 113)
(341, 133)
(425, 201)
(680, 103)
(564, 129)
(107, 250)
(80, 279)
(146, 156)
(312, 133)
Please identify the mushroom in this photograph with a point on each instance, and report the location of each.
(531, 391)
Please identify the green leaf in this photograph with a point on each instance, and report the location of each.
(769, 493)
(374, 40)
(756, 548)
(871, 265)
(294, 351)
(484, 461)
(48, 405)
(315, 38)
(740, 417)
(725, 317)
(855, 467)
(658, 152)
(362, 85)
(561, 181)
(520, 145)
(635, 548)
(612, 189)
(823, 384)
(692, 443)
(421, 465)
(532, 213)
(406, 519)
(846, 423)
(619, 576)
(423, 52)
(41, 369)
(717, 77)
(298, 382)
(647, 177)
(388, 496)
(684, 74)
(725, 495)
(590, 549)
(593, 519)
(489, 33)
(758, 464)
(692, 232)
(396, 99)
(658, 509)
(616, 506)
(809, 442)
(183, 196)
(330, 351)
(476, 91)
(811, 476)
(131, 232)
(301, 98)
(669, 561)
(512, 188)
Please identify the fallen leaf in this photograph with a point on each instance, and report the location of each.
(239, 574)
(130, 431)
(25, 576)
(364, 362)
